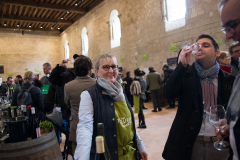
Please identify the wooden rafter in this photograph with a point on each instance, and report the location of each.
(31, 19)
(46, 6)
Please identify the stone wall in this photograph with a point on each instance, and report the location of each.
(143, 31)
(18, 52)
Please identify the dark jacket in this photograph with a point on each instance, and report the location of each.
(129, 81)
(236, 130)
(234, 65)
(104, 112)
(167, 74)
(36, 95)
(60, 76)
(4, 89)
(184, 84)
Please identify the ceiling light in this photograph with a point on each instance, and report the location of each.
(5, 24)
(28, 30)
(75, 4)
(68, 12)
(51, 27)
(14, 29)
(61, 17)
(58, 28)
(30, 26)
(41, 27)
(17, 25)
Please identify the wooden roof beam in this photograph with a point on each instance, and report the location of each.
(31, 19)
(31, 29)
(47, 6)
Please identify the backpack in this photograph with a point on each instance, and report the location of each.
(135, 88)
(24, 97)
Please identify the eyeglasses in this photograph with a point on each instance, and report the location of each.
(231, 27)
(107, 67)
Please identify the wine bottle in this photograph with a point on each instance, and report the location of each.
(100, 132)
(100, 148)
(24, 110)
(14, 111)
(34, 124)
(29, 122)
(9, 112)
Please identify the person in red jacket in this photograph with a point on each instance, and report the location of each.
(224, 61)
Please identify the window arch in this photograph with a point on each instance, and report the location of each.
(174, 13)
(115, 29)
(85, 45)
(66, 48)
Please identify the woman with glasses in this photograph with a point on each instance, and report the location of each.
(105, 103)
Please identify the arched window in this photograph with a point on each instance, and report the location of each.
(174, 13)
(115, 29)
(66, 47)
(85, 45)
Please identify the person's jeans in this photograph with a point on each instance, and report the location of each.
(156, 95)
(140, 114)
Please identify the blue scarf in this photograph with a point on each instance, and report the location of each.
(208, 89)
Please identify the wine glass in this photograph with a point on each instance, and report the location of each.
(187, 46)
(218, 120)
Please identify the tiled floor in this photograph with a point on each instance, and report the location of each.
(155, 136)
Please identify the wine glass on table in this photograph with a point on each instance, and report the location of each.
(217, 119)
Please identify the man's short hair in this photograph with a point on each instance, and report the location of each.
(82, 65)
(75, 56)
(151, 69)
(233, 45)
(214, 42)
(19, 76)
(128, 73)
(9, 78)
(165, 66)
(47, 64)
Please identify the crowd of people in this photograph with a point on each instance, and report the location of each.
(83, 99)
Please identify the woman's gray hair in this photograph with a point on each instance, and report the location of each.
(28, 77)
(107, 57)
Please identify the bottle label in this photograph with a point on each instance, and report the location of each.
(38, 132)
(24, 108)
(33, 110)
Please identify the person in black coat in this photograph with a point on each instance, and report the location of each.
(128, 81)
(191, 136)
(36, 93)
(59, 76)
(167, 72)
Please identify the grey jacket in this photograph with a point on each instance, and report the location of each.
(154, 80)
(72, 92)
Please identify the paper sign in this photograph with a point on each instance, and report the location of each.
(145, 57)
(122, 59)
(173, 48)
(37, 70)
(146, 71)
(10, 74)
(26, 69)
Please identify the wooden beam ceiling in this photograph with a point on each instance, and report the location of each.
(42, 15)
(39, 20)
(48, 6)
(26, 29)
